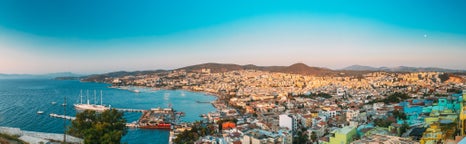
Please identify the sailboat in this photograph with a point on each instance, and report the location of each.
(88, 106)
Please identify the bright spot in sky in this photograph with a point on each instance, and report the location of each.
(425, 35)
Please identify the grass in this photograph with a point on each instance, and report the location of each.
(4, 138)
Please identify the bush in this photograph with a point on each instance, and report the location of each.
(106, 127)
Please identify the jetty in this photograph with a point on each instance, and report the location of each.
(129, 110)
(62, 116)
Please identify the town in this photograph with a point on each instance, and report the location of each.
(255, 106)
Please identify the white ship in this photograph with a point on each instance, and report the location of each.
(88, 106)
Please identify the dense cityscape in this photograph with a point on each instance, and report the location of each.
(233, 72)
(256, 106)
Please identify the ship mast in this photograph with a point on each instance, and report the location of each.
(101, 97)
(87, 95)
(95, 97)
(81, 95)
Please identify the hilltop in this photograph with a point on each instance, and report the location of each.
(298, 68)
(400, 69)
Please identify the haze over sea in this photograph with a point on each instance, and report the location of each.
(22, 98)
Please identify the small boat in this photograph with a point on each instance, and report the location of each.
(53, 103)
(40, 112)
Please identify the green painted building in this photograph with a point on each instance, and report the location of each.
(343, 135)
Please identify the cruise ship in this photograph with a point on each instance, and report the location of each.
(88, 106)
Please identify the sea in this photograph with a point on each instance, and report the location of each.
(20, 99)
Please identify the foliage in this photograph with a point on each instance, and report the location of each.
(5, 138)
(404, 128)
(392, 98)
(301, 138)
(396, 97)
(314, 95)
(106, 127)
(399, 115)
(454, 90)
(314, 137)
(382, 122)
(197, 130)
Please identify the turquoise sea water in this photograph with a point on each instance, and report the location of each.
(21, 99)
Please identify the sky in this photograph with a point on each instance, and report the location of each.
(89, 36)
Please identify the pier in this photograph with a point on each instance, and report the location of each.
(130, 110)
(62, 116)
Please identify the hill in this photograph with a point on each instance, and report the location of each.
(399, 69)
(39, 76)
(298, 68)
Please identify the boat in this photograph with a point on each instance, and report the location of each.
(88, 106)
(155, 125)
(53, 103)
(40, 112)
(136, 91)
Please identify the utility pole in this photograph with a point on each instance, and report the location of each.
(64, 121)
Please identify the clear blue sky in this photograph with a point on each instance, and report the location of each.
(89, 36)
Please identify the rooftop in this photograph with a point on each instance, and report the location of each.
(344, 130)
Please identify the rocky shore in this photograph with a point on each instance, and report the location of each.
(33, 137)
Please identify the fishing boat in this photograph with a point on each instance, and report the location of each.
(40, 112)
(88, 106)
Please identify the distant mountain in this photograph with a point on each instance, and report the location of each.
(101, 77)
(298, 68)
(361, 68)
(214, 67)
(400, 69)
(38, 76)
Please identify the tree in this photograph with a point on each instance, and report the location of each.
(404, 128)
(106, 127)
(198, 129)
(313, 137)
(399, 115)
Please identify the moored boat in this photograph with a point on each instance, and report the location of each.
(160, 125)
(93, 107)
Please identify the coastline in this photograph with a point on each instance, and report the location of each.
(131, 89)
(38, 137)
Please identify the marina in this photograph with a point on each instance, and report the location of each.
(31, 96)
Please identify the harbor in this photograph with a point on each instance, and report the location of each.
(154, 118)
(24, 114)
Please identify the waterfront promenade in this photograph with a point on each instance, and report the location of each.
(38, 137)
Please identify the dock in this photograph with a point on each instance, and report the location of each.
(130, 110)
(62, 116)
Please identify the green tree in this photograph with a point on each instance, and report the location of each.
(106, 127)
(404, 128)
(399, 115)
(313, 137)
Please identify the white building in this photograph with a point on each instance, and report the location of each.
(286, 121)
(351, 114)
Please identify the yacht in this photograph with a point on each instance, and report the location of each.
(88, 106)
